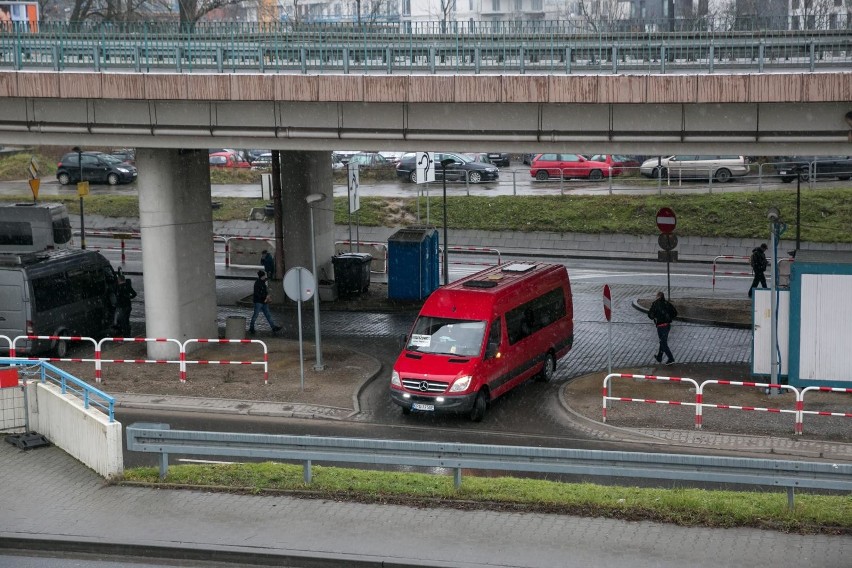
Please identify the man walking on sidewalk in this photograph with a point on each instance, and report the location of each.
(260, 298)
(758, 264)
(663, 313)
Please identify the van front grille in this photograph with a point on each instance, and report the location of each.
(419, 385)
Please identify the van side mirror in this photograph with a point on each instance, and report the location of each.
(401, 341)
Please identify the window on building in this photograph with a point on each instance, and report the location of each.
(495, 5)
(406, 7)
(536, 5)
(832, 21)
(794, 4)
(838, 3)
(519, 5)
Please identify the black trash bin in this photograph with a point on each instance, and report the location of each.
(352, 273)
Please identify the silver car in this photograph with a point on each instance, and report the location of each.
(683, 166)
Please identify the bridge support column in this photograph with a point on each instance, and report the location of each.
(304, 173)
(176, 221)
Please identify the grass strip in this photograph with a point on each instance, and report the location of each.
(828, 514)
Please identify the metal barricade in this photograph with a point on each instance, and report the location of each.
(100, 360)
(800, 406)
(185, 361)
(607, 397)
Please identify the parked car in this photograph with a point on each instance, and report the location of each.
(481, 157)
(546, 166)
(366, 160)
(228, 160)
(255, 153)
(344, 155)
(839, 167)
(97, 167)
(126, 155)
(500, 159)
(620, 164)
(459, 169)
(262, 161)
(392, 157)
(682, 166)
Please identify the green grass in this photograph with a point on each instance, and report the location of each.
(688, 507)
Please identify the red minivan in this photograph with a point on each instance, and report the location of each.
(565, 166)
(483, 335)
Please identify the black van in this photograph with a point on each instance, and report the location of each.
(57, 292)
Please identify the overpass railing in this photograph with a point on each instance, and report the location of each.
(437, 48)
(160, 439)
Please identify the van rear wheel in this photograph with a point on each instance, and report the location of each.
(549, 368)
(480, 405)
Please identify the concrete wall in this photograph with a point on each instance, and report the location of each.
(85, 434)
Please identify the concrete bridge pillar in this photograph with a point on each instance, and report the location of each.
(304, 173)
(176, 221)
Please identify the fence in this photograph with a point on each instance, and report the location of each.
(699, 404)
(160, 439)
(99, 360)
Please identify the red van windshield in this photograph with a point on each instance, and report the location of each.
(447, 336)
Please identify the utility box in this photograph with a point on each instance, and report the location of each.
(8, 378)
(351, 273)
(413, 263)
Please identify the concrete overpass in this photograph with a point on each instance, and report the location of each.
(172, 118)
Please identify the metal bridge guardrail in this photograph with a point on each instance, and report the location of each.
(160, 439)
(442, 48)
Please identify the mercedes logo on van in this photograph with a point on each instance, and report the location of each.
(424, 386)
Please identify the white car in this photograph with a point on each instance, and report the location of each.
(682, 166)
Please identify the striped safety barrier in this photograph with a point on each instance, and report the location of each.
(14, 345)
(100, 360)
(185, 361)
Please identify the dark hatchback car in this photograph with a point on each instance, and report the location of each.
(460, 168)
(501, 159)
(97, 167)
(789, 167)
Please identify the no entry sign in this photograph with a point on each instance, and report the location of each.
(666, 220)
(607, 303)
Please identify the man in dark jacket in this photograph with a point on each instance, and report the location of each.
(663, 313)
(268, 263)
(758, 264)
(124, 293)
(260, 298)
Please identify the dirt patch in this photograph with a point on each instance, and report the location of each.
(345, 371)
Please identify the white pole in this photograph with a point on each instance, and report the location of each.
(301, 352)
(773, 323)
(318, 365)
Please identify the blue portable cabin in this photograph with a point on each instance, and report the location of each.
(821, 319)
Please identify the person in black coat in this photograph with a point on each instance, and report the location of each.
(124, 293)
(758, 265)
(268, 263)
(260, 299)
(663, 313)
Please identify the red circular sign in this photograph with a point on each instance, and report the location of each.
(666, 220)
(607, 303)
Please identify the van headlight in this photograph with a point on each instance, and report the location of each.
(395, 379)
(461, 384)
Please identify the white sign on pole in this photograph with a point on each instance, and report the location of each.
(424, 162)
(266, 186)
(299, 285)
(354, 182)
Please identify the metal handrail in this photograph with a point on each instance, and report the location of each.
(160, 439)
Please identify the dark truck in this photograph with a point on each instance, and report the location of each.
(821, 167)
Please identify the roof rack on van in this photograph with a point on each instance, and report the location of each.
(518, 267)
(20, 259)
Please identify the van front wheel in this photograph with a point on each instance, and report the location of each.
(61, 348)
(480, 405)
(548, 369)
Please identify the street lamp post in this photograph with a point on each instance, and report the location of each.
(82, 214)
(311, 200)
(444, 163)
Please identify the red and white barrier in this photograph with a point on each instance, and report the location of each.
(606, 397)
(99, 360)
(702, 404)
(14, 343)
(185, 361)
(800, 405)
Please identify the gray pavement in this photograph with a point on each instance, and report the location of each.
(48, 495)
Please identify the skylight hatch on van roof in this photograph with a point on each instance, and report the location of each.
(518, 267)
(479, 283)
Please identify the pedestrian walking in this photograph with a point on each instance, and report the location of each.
(758, 265)
(268, 263)
(260, 298)
(124, 293)
(663, 313)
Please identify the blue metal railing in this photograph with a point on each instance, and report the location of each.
(67, 383)
(431, 47)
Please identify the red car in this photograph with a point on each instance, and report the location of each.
(227, 160)
(546, 166)
(620, 164)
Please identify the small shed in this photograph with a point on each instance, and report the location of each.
(821, 319)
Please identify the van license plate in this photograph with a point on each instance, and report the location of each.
(418, 406)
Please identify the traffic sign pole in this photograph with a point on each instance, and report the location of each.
(607, 305)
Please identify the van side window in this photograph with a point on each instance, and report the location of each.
(51, 292)
(534, 315)
(495, 336)
(61, 230)
(85, 283)
(16, 233)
